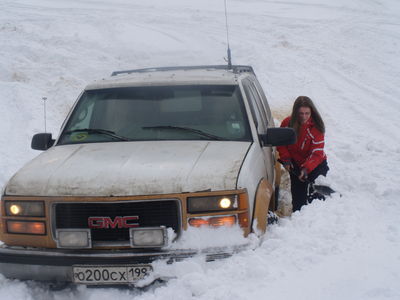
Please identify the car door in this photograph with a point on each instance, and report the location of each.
(269, 152)
(261, 120)
(264, 120)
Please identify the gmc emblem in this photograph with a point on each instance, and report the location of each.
(118, 222)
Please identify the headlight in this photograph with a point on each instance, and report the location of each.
(24, 208)
(212, 203)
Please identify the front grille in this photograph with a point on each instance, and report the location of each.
(151, 214)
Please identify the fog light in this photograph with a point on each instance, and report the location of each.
(26, 227)
(148, 237)
(73, 238)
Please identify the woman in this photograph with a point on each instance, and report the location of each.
(305, 160)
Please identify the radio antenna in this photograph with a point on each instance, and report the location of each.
(44, 110)
(227, 37)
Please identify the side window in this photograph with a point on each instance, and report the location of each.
(255, 110)
(264, 99)
(259, 104)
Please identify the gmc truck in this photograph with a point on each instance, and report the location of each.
(142, 156)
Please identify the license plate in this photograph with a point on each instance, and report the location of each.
(109, 274)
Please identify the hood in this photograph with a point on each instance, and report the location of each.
(131, 168)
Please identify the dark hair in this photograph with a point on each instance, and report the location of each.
(304, 101)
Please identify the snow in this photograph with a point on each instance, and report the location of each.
(128, 169)
(345, 55)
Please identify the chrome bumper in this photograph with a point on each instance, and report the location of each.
(56, 265)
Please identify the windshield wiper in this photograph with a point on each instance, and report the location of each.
(101, 131)
(197, 131)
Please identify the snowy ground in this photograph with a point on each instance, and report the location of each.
(344, 54)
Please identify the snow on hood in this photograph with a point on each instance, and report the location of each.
(131, 168)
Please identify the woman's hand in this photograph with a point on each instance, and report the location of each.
(288, 166)
(303, 175)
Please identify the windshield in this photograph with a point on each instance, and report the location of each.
(158, 113)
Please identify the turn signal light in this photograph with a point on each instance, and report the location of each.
(26, 227)
(197, 222)
(213, 221)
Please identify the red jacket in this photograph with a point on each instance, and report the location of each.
(308, 151)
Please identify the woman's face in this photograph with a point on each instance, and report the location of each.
(304, 114)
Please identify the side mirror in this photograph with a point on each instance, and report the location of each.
(279, 136)
(42, 141)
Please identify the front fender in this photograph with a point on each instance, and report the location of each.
(263, 198)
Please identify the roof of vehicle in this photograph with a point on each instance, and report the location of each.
(187, 75)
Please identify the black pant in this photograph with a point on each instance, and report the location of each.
(299, 188)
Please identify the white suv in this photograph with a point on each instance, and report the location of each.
(142, 154)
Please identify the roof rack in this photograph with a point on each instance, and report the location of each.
(235, 69)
